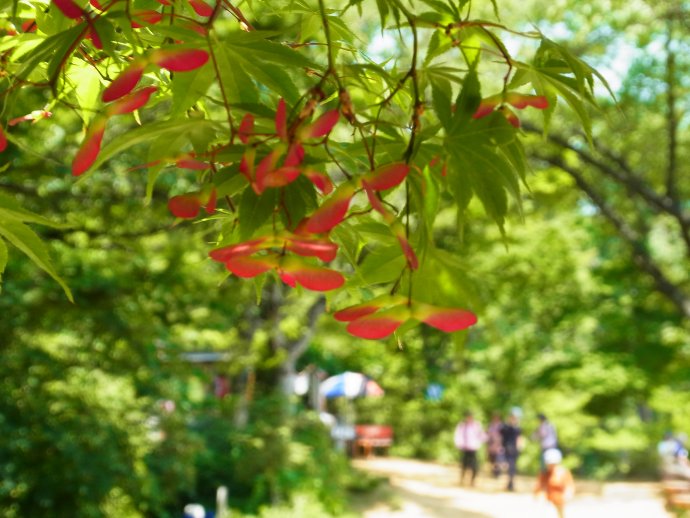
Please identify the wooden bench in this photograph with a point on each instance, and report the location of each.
(677, 495)
(368, 437)
(672, 487)
(679, 501)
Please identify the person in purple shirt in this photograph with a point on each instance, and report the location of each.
(547, 437)
(469, 437)
(494, 444)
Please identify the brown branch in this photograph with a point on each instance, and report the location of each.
(238, 14)
(622, 173)
(640, 254)
(672, 119)
(297, 347)
(216, 70)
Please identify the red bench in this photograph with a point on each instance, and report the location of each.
(371, 436)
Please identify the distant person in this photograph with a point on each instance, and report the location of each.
(556, 481)
(673, 455)
(547, 437)
(469, 437)
(510, 440)
(494, 444)
(668, 446)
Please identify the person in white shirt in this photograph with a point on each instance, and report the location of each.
(469, 437)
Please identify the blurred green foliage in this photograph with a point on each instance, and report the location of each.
(569, 326)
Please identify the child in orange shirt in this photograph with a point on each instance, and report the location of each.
(557, 481)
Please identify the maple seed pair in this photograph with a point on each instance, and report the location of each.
(498, 103)
(381, 317)
(252, 258)
(88, 152)
(121, 90)
(188, 205)
(269, 172)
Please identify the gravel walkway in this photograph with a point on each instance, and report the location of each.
(427, 490)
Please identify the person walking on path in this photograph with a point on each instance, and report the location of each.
(494, 444)
(469, 437)
(547, 437)
(510, 439)
(556, 481)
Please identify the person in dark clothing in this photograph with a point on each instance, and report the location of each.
(510, 436)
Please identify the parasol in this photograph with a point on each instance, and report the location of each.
(350, 385)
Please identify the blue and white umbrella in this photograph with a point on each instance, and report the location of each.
(350, 385)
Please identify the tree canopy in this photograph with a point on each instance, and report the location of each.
(303, 143)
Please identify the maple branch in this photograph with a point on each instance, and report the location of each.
(238, 14)
(226, 103)
(329, 43)
(418, 106)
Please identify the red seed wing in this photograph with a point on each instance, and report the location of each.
(185, 205)
(29, 25)
(323, 125)
(211, 203)
(279, 177)
(131, 102)
(281, 119)
(320, 180)
(387, 176)
(408, 251)
(485, 108)
(192, 163)
(521, 101)
(332, 211)
(181, 60)
(246, 128)
(266, 166)
(447, 320)
(124, 83)
(248, 267)
(321, 248)
(95, 38)
(88, 152)
(3, 140)
(376, 203)
(147, 16)
(69, 8)
(356, 312)
(314, 278)
(288, 279)
(201, 8)
(295, 155)
(378, 325)
(510, 116)
(246, 248)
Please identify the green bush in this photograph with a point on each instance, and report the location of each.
(270, 459)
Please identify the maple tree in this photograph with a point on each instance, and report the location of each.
(314, 161)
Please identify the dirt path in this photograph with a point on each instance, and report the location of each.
(427, 490)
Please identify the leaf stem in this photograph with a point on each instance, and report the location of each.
(226, 103)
